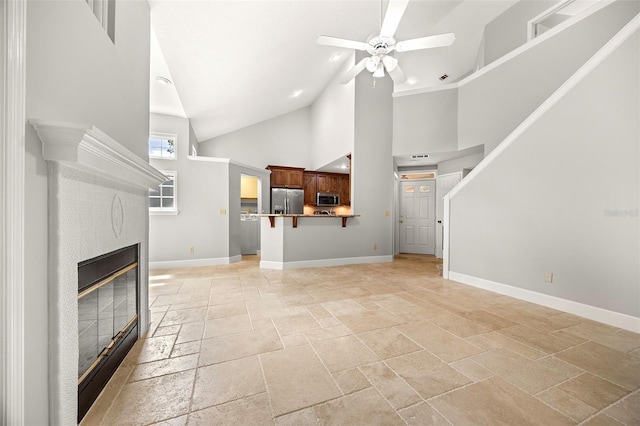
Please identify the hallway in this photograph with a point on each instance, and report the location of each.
(388, 343)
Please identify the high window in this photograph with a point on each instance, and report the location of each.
(162, 146)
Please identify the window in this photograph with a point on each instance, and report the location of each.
(164, 198)
(162, 146)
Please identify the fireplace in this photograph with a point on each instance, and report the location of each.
(98, 205)
(107, 319)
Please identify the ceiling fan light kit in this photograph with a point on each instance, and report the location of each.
(380, 47)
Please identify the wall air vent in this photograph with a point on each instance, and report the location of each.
(443, 77)
(419, 157)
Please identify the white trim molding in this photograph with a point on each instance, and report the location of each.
(12, 185)
(594, 313)
(88, 148)
(189, 263)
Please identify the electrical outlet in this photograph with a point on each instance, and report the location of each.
(548, 277)
(192, 249)
(387, 213)
(223, 212)
(375, 247)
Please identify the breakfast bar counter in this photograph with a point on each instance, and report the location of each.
(294, 218)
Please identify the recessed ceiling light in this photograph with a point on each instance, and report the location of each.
(296, 94)
(163, 80)
(412, 80)
(335, 56)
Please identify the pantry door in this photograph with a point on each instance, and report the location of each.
(417, 216)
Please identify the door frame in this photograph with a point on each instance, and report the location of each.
(12, 168)
(399, 194)
(440, 226)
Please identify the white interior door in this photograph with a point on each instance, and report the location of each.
(417, 216)
(444, 184)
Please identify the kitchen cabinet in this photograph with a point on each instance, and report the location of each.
(286, 177)
(344, 189)
(310, 187)
(327, 183)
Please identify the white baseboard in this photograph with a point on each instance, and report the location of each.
(321, 263)
(188, 263)
(594, 313)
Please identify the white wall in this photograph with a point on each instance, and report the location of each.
(492, 105)
(460, 163)
(554, 214)
(426, 122)
(74, 74)
(509, 30)
(284, 141)
(332, 121)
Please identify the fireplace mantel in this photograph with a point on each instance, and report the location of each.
(87, 147)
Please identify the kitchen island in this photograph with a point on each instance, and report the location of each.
(290, 241)
(294, 218)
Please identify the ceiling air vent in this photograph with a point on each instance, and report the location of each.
(419, 156)
(443, 77)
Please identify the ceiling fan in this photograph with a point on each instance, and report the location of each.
(382, 46)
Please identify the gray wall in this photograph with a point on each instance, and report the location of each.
(459, 164)
(74, 74)
(509, 30)
(554, 214)
(283, 141)
(492, 105)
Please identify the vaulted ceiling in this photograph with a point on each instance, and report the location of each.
(236, 63)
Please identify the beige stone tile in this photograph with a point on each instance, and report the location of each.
(329, 322)
(528, 375)
(422, 414)
(460, 326)
(228, 381)
(388, 343)
(344, 352)
(294, 324)
(566, 404)
(344, 307)
(327, 333)
(163, 367)
(488, 319)
(304, 417)
(100, 408)
(166, 331)
(190, 332)
(398, 306)
(266, 308)
(293, 340)
(296, 379)
(392, 387)
(438, 341)
(223, 310)
(471, 369)
(547, 343)
(483, 343)
(253, 410)
(515, 346)
(495, 401)
(225, 326)
(568, 337)
(351, 380)
(176, 421)
(426, 374)
(188, 348)
(239, 345)
(365, 407)
(184, 316)
(318, 311)
(593, 390)
(601, 420)
(148, 401)
(170, 299)
(617, 367)
(153, 349)
(621, 340)
(627, 410)
(263, 323)
(370, 320)
(196, 302)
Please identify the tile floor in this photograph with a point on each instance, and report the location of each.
(384, 344)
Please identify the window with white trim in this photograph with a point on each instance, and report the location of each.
(162, 146)
(164, 199)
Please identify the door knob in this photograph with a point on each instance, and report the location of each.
(439, 221)
(402, 221)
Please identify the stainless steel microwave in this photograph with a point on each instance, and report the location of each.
(325, 199)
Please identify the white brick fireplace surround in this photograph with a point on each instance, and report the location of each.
(98, 202)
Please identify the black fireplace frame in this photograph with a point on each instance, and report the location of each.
(91, 272)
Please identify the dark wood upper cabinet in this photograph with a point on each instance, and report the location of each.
(286, 177)
(310, 187)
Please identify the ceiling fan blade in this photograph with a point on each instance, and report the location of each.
(428, 42)
(397, 74)
(349, 75)
(341, 42)
(392, 17)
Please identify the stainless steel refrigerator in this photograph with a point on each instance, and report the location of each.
(287, 201)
